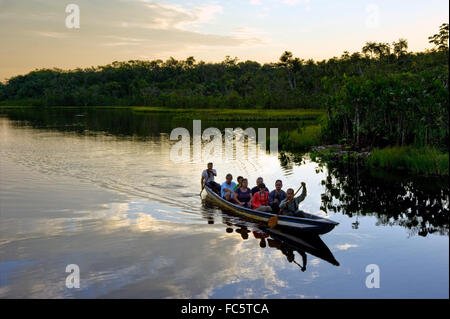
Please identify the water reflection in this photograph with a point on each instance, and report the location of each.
(100, 191)
(118, 121)
(419, 204)
(283, 240)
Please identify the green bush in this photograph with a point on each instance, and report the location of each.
(301, 139)
(423, 160)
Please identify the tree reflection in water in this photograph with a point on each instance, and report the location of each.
(421, 204)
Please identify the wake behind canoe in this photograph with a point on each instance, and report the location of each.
(309, 223)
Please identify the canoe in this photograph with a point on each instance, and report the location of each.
(309, 223)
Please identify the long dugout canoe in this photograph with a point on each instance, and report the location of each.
(309, 223)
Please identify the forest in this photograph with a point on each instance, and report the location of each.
(382, 96)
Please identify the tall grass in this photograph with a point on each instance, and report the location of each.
(233, 114)
(422, 160)
(301, 139)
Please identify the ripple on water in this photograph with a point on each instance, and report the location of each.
(139, 169)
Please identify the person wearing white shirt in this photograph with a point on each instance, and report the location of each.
(208, 178)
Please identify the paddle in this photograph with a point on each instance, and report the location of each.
(273, 221)
(202, 189)
(209, 174)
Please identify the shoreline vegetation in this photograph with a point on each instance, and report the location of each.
(423, 161)
(384, 105)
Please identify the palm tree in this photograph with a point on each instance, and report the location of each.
(381, 49)
(400, 47)
(386, 50)
(369, 48)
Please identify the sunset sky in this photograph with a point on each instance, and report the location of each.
(34, 33)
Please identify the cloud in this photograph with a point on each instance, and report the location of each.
(346, 246)
(295, 2)
(169, 29)
(170, 16)
(110, 30)
(252, 35)
(54, 35)
(178, 26)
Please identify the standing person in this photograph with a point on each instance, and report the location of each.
(208, 178)
(289, 205)
(259, 181)
(228, 189)
(277, 196)
(244, 194)
(261, 199)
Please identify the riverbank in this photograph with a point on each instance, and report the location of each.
(231, 114)
(418, 160)
(224, 114)
(426, 161)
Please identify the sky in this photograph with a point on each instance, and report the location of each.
(35, 34)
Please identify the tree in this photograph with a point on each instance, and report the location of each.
(230, 61)
(289, 83)
(190, 62)
(2, 91)
(400, 47)
(370, 47)
(440, 40)
(292, 66)
(382, 49)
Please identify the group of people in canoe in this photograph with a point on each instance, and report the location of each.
(259, 197)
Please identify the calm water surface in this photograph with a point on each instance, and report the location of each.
(96, 188)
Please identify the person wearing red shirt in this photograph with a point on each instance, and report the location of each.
(260, 200)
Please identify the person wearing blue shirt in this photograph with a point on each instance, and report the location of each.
(227, 190)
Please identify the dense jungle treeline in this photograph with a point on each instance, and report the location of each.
(404, 106)
(383, 95)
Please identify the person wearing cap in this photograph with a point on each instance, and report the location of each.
(260, 200)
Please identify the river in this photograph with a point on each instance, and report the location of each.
(97, 188)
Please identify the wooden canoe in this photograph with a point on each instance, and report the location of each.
(309, 223)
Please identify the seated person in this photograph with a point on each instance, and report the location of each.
(239, 181)
(244, 194)
(261, 199)
(227, 190)
(289, 205)
(276, 197)
(255, 189)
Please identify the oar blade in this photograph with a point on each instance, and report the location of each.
(273, 221)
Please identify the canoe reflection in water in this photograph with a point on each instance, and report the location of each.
(287, 242)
